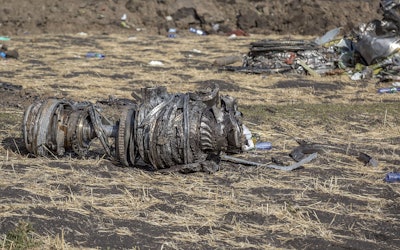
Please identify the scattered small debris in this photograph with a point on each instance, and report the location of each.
(233, 36)
(238, 32)
(125, 25)
(197, 31)
(356, 76)
(392, 177)
(95, 55)
(172, 33)
(263, 146)
(367, 160)
(396, 84)
(6, 53)
(294, 166)
(124, 22)
(328, 37)
(156, 63)
(388, 90)
(82, 34)
(249, 139)
(215, 27)
(306, 148)
(196, 51)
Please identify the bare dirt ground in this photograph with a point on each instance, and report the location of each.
(334, 202)
(310, 17)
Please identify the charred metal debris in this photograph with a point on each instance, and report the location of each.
(371, 50)
(162, 130)
(186, 132)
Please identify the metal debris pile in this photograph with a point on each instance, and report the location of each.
(371, 50)
(293, 56)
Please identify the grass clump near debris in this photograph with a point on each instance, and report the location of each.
(21, 237)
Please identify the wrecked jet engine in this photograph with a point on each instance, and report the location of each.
(160, 129)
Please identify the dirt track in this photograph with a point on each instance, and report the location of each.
(334, 202)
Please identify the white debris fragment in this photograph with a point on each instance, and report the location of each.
(156, 63)
(357, 76)
(396, 84)
(233, 36)
(82, 34)
(249, 140)
(196, 51)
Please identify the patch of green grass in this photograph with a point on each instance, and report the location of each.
(21, 237)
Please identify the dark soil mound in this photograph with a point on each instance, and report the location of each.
(310, 17)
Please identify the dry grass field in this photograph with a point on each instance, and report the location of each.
(333, 202)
